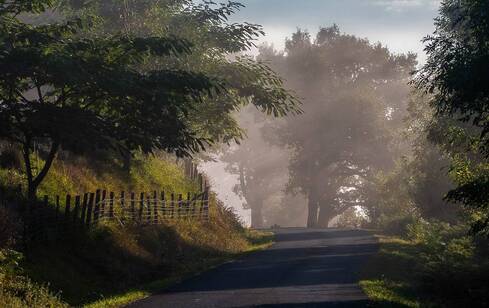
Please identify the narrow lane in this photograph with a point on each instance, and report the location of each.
(305, 268)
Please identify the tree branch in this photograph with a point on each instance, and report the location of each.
(26, 151)
(47, 165)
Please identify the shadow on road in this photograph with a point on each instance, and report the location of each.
(315, 234)
(345, 304)
(305, 268)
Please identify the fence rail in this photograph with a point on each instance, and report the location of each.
(85, 211)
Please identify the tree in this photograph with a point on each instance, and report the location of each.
(216, 45)
(62, 89)
(429, 166)
(260, 166)
(456, 76)
(354, 98)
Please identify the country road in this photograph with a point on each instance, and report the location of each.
(304, 268)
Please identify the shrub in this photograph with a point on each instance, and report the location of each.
(9, 228)
(397, 225)
(10, 158)
(448, 264)
(17, 290)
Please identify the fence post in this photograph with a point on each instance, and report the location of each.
(102, 204)
(133, 207)
(67, 211)
(123, 205)
(42, 214)
(206, 204)
(76, 211)
(155, 207)
(96, 211)
(201, 181)
(90, 209)
(56, 214)
(172, 206)
(84, 209)
(187, 205)
(148, 209)
(194, 205)
(163, 205)
(141, 207)
(201, 211)
(180, 205)
(111, 204)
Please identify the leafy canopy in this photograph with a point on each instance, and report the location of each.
(457, 76)
(62, 86)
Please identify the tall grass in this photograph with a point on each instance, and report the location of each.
(110, 260)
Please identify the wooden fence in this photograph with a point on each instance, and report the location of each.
(51, 217)
(191, 172)
(76, 212)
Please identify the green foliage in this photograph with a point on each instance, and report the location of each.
(456, 76)
(16, 290)
(397, 224)
(10, 228)
(9, 262)
(61, 89)
(147, 173)
(127, 84)
(445, 266)
(350, 219)
(213, 39)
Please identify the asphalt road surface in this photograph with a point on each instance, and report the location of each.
(305, 268)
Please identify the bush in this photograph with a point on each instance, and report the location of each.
(10, 158)
(17, 290)
(9, 228)
(447, 261)
(397, 225)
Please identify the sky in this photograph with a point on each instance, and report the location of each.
(398, 24)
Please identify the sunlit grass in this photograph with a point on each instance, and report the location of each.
(112, 265)
(257, 240)
(389, 278)
(387, 293)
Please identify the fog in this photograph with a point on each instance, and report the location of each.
(312, 168)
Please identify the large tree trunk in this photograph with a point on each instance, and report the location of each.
(257, 216)
(312, 217)
(326, 213)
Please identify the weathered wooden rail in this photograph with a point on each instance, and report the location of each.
(52, 217)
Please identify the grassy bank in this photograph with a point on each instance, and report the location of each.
(256, 240)
(111, 264)
(115, 265)
(435, 265)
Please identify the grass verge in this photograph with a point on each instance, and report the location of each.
(258, 240)
(413, 273)
(388, 277)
